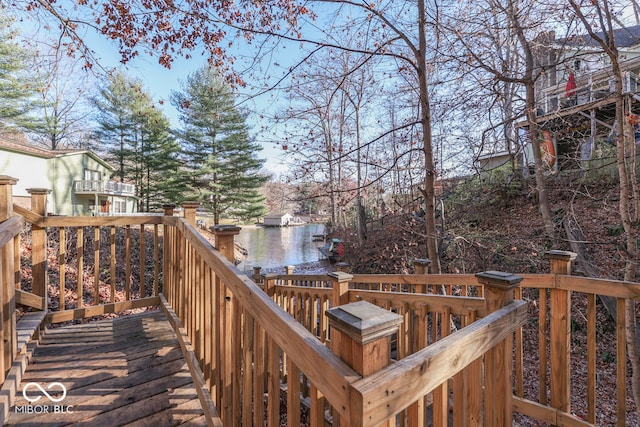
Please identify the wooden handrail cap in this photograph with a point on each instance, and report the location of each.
(364, 322)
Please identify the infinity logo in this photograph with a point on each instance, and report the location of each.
(39, 387)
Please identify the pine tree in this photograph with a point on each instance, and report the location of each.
(221, 162)
(137, 137)
(15, 87)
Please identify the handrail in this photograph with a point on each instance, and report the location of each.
(10, 229)
(323, 368)
(390, 390)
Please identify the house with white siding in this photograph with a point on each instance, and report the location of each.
(79, 180)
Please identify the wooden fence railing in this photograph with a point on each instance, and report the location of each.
(452, 339)
(562, 343)
(250, 349)
(89, 266)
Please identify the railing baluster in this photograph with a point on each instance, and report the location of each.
(96, 265)
(143, 260)
(62, 262)
(112, 266)
(80, 275)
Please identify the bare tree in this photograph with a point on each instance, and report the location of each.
(61, 112)
(598, 19)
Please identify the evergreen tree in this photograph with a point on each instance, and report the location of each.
(137, 137)
(15, 87)
(221, 163)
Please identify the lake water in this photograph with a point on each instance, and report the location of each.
(271, 247)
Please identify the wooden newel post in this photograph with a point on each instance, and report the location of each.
(225, 235)
(342, 266)
(560, 332)
(39, 243)
(8, 342)
(231, 321)
(168, 209)
(499, 291)
(361, 336)
(190, 212)
(340, 284)
(169, 268)
(421, 266)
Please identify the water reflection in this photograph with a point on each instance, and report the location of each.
(274, 247)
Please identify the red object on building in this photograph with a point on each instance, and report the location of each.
(570, 89)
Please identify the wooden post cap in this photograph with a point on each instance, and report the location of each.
(225, 230)
(340, 276)
(499, 279)
(7, 180)
(363, 322)
(190, 204)
(38, 191)
(560, 255)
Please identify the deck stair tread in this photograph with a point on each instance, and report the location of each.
(123, 371)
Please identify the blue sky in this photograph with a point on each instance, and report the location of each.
(160, 82)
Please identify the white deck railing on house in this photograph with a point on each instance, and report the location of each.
(104, 187)
(590, 87)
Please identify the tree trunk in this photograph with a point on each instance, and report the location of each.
(427, 147)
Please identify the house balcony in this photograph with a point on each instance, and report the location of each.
(110, 188)
(594, 90)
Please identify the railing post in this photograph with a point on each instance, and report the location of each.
(7, 292)
(257, 275)
(342, 266)
(560, 332)
(231, 321)
(190, 211)
(39, 244)
(499, 292)
(340, 284)
(269, 287)
(225, 244)
(421, 266)
(168, 258)
(168, 209)
(361, 336)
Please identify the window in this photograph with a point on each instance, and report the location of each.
(92, 175)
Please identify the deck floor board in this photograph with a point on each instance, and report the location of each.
(125, 371)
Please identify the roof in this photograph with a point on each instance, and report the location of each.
(624, 37)
(277, 216)
(17, 143)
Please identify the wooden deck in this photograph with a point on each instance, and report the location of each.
(125, 371)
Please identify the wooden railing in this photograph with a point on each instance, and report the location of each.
(560, 347)
(452, 340)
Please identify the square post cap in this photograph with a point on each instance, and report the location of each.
(363, 322)
(222, 230)
(499, 279)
